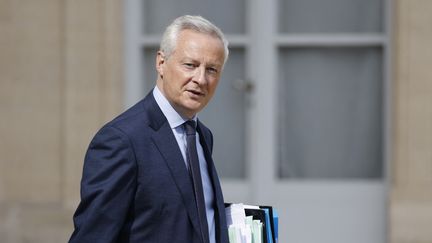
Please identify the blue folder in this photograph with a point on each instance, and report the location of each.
(267, 222)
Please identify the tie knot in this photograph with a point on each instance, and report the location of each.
(190, 127)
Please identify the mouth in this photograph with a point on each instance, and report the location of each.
(195, 92)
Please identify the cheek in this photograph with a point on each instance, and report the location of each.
(213, 85)
(180, 78)
(176, 80)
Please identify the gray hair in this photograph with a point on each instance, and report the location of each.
(196, 23)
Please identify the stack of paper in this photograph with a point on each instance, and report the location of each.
(251, 224)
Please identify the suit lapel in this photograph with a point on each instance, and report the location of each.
(221, 229)
(166, 143)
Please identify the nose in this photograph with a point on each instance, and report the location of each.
(200, 75)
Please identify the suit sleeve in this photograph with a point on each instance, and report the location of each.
(107, 188)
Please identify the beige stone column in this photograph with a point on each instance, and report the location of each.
(411, 182)
(30, 101)
(31, 84)
(60, 80)
(93, 80)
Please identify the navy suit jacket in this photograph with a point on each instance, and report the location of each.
(136, 187)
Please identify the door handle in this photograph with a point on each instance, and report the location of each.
(243, 85)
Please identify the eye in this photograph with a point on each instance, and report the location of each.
(212, 70)
(189, 65)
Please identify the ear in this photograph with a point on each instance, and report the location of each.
(160, 61)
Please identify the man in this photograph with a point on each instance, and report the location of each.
(148, 175)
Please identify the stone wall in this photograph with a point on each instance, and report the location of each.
(411, 178)
(60, 79)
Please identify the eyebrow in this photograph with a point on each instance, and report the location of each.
(190, 59)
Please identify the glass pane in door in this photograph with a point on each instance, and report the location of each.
(228, 15)
(226, 117)
(330, 113)
(330, 16)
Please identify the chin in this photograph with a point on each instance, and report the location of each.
(194, 110)
(194, 105)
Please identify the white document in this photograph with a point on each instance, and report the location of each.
(235, 215)
(241, 228)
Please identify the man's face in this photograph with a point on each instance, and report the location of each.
(189, 77)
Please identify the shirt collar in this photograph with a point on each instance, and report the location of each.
(173, 117)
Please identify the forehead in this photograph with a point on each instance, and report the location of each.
(195, 43)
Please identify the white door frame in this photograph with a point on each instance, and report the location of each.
(342, 210)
